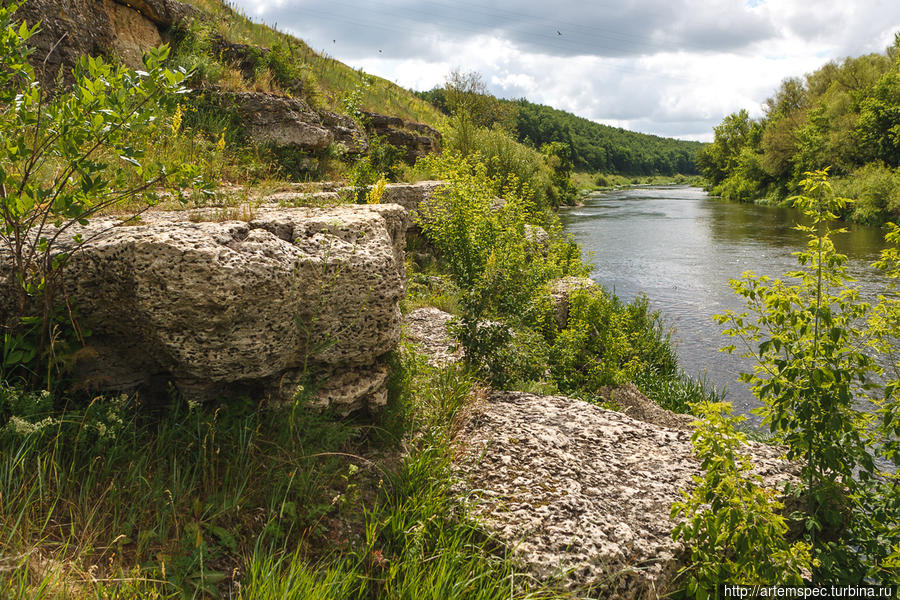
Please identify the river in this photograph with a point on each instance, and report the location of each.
(680, 247)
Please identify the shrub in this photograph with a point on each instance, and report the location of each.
(64, 159)
(813, 376)
(875, 190)
(732, 525)
(608, 342)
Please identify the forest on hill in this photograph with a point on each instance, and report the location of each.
(844, 116)
(594, 146)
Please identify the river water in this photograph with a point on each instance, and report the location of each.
(680, 247)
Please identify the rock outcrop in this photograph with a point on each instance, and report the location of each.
(231, 307)
(74, 28)
(411, 196)
(416, 139)
(277, 120)
(583, 494)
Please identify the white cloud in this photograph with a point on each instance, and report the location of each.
(669, 67)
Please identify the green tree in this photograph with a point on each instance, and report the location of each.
(65, 158)
(811, 371)
(559, 158)
(719, 159)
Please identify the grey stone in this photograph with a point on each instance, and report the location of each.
(426, 328)
(225, 307)
(277, 120)
(581, 495)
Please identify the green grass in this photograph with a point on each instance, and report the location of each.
(335, 79)
(120, 500)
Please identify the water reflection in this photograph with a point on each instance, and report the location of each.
(680, 248)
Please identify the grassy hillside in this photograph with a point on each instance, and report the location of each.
(333, 79)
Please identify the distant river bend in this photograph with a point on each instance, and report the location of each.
(680, 247)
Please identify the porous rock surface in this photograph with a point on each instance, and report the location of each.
(582, 493)
(426, 328)
(233, 307)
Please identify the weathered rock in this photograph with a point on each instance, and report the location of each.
(582, 493)
(561, 291)
(426, 328)
(74, 28)
(226, 307)
(638, 406)
(411, 196)
(417, 139)
(277, 120)
(162, 12)
(346, 132)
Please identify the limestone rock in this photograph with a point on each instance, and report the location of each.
(411, 196)
(162, 12)
(638, 406)
(227, 307)
(346, 132)
(561, 291)
(426, 328)
(417, 139)
(278, 120)
(582, 493)
(74, 28)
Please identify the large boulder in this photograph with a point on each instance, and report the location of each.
(276, 120)
(581, 495)
(70, 29)
(234, 307)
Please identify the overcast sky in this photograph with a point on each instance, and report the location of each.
(668, 67)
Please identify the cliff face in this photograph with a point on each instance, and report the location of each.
(118, 29)
(123, 29)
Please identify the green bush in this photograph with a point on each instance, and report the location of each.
(875, 190)
(65, 158)
(731, 523)
(815, 374)
(608, 342)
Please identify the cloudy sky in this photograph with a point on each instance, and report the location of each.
(668, 67)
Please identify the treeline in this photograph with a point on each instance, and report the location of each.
(594, 147)
(845, 116)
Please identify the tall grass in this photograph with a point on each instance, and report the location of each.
(335, 79)
(116, 499)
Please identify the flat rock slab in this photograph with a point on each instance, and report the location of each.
(426, 328)
(580, 494)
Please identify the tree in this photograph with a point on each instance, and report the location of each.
(64, 159)
(812, 373)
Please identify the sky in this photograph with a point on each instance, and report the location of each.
(673, 68)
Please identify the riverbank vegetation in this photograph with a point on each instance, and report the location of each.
(826, 372)
(120, 496)
(843, 116)
(106, 496)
